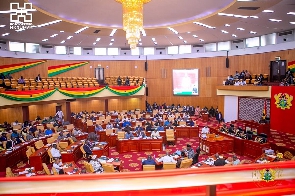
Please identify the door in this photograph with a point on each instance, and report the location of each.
(99, 75)
(277, 70)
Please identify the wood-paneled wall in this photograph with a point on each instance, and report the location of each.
(11, 114)
(159, 85)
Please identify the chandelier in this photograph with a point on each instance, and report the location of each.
(133, 20)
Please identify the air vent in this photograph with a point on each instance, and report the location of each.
(2, 42)
(285, 33)
(160, 48)
(197, 46)
(125, 48)
(96, 31)
(47, 46)
(238, 41)
(248, 8)
(87, 48)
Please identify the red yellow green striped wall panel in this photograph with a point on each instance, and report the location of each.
(36, 95)
(81, 92)
(124, 90)
(13, 68)
(59, 69)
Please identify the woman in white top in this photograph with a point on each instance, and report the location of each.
(58, 166)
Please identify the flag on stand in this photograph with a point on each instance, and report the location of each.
(264, 110)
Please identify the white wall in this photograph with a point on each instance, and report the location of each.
(231, 108)
(245, 51)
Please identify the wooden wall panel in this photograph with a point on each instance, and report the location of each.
(43, 110)
(11, 114)
(125, 104)
(88, 105)
(159, 84)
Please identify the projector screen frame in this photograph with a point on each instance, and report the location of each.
(194, 83)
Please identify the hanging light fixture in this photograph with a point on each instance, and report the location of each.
(133, 19)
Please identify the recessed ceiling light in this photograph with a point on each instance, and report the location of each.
(253, 32)
(112, 40)
(195, 36)
(111, 43)
(201, 40)
(184, 41)
(173, 30)
(63, 41)
(143, 32)
(234, 35)
(275, 20)
(155, 43)
(70, 37)
(44, 40)
(268, 11)
(254, 17)
(223, 31)
(113, 32)
(98, 39)
(224, 14)
(140, 43)
(240, 16)
(292, 13)
(62, 31)
(2, 26)
(227, 25)
(153, 39)
(188, 32)
(94, 43)
(246, 0)
(204, 25)
(54, 35)
(292, 22)
(80, 30)
(19, 30)
(49, 23)
(241, 29)
(180, 37)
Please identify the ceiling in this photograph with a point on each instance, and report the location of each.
(105, 15)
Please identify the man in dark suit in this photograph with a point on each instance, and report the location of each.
(87, 148)
(38, 78)
(196, 156)
(219, 160)
(149, 161)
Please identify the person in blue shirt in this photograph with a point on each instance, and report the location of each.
(14, 134)
(98, 127)
(129, 135)
(149, 161)
(125, 123)
(138, 129)
(160, 128)
(166, 123)
(48, 131)
(191, 123)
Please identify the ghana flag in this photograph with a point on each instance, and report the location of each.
(81, 92)
(13, 68)
(291, 66)
(124, 90)
(32, 95)
(59, 69)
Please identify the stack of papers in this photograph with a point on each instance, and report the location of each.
(96, 148)
(110, 160)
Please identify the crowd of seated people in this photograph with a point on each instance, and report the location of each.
(289, 79)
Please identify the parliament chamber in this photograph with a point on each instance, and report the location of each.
(200, 102)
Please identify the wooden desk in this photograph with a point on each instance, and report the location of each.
(104, 150)
(38, 157)
(82, 136)
(238, 142)
(254, 149)
(139, 145)
(205, 117)
(70, 168)
(72, 153)
(215, 146)
(112, 140)
(186, 132)
(102, 136)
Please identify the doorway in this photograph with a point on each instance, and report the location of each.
(99, 75)
(277, 70)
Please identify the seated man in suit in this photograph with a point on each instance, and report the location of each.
(219, 160)
(129, 135)
(87, 148)
(167, 159)
(149, 161)
(196, 155)
(141, 134)
(231, 129)
(223, 129)
(55, 151)
(138, 129)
